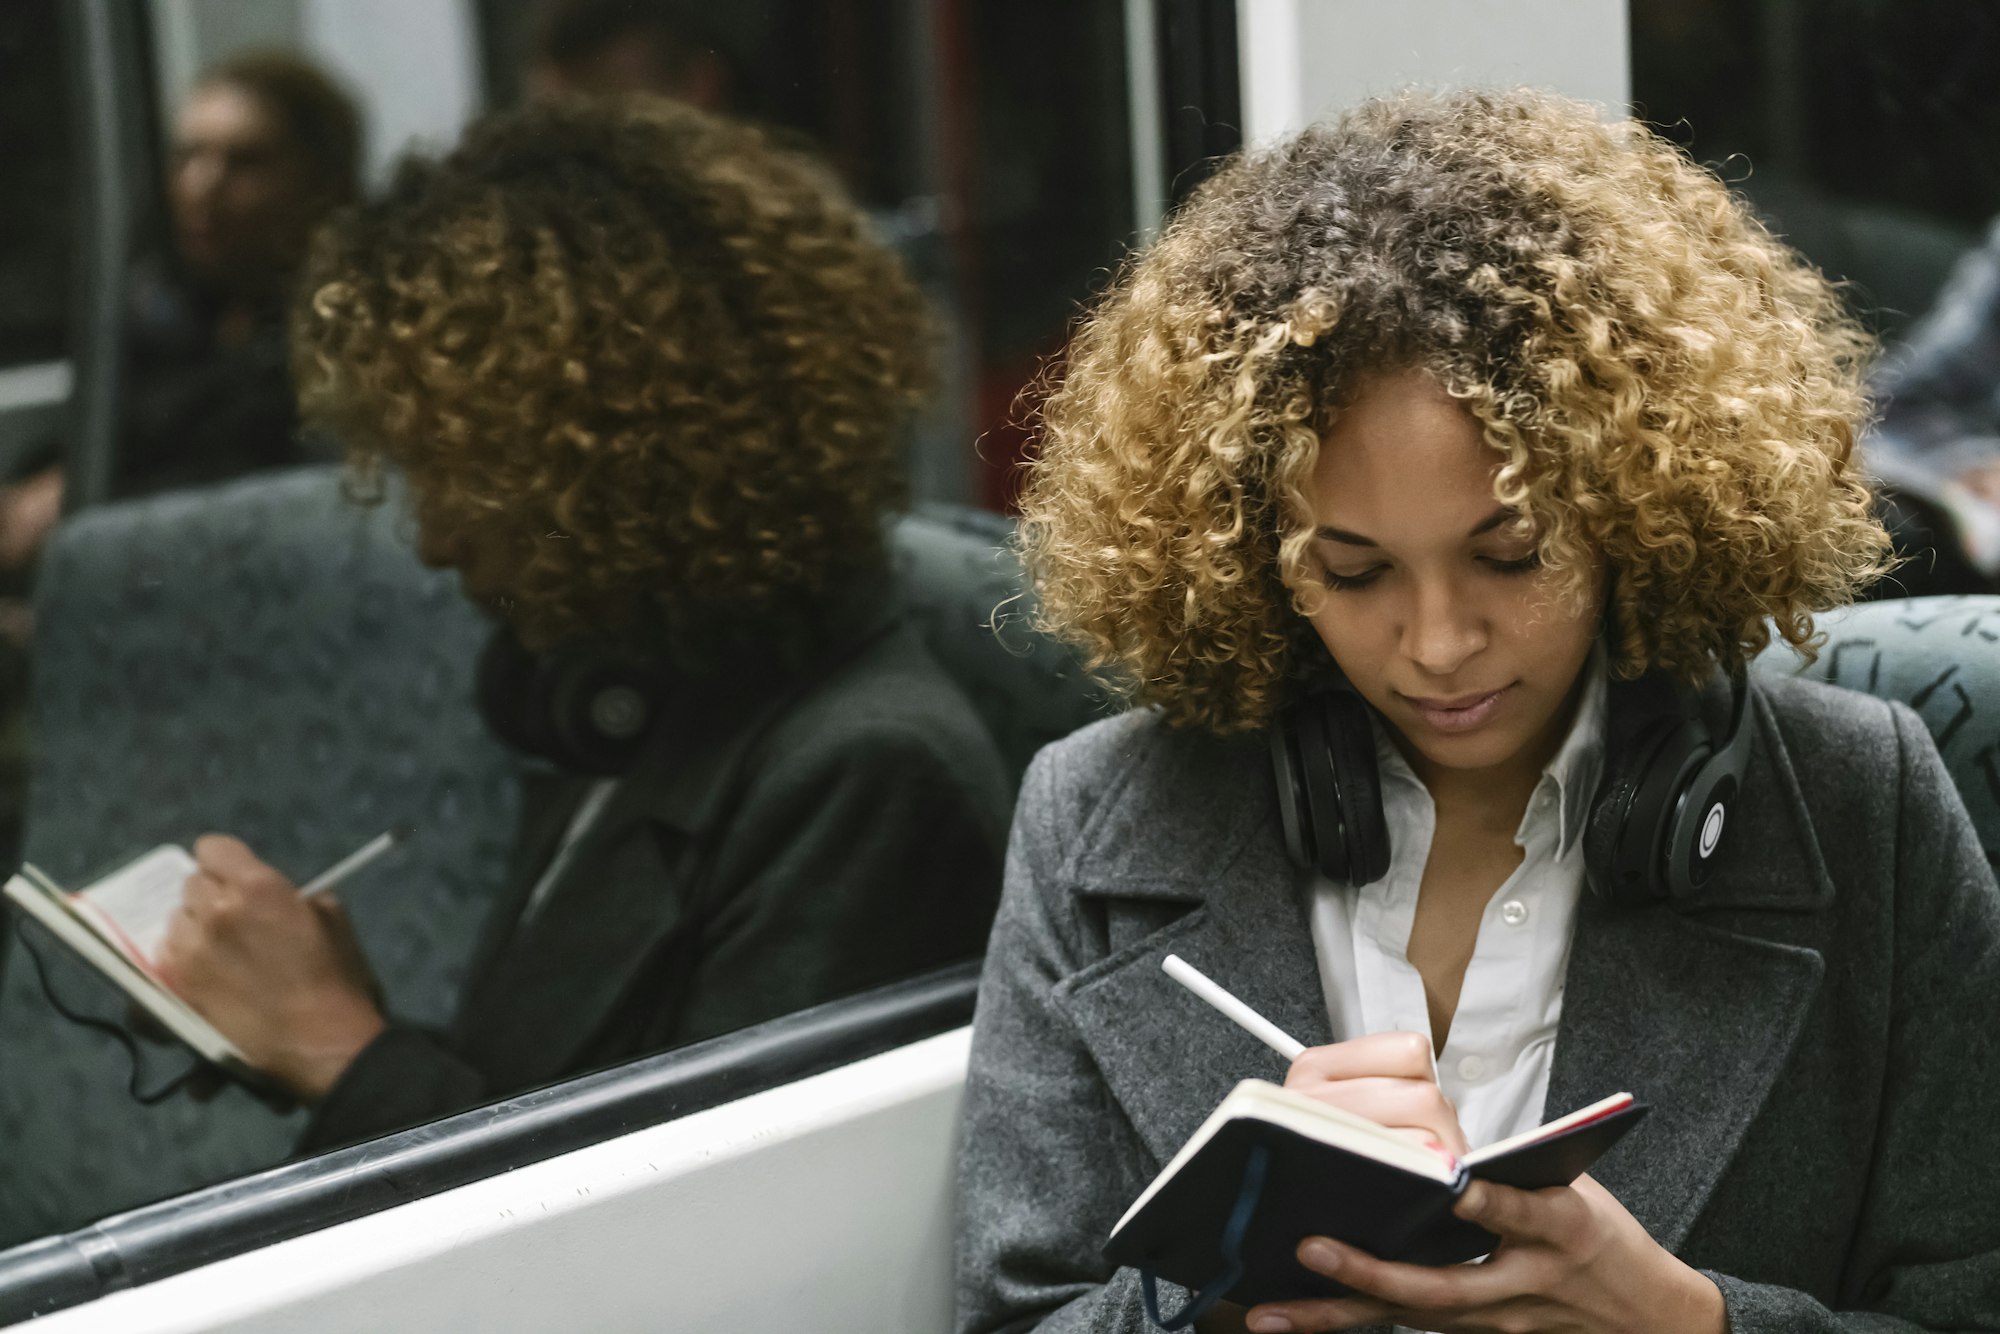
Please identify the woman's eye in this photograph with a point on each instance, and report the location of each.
(1519, 565)
(1361, 580)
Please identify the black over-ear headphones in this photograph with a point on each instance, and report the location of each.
(584, 706)
(1655, 825)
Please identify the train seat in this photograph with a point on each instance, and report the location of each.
(1940, 656)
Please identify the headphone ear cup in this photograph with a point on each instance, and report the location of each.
(1358, 784)
(1294, 810)
(600, 708)
(1623, 839)
(511, 692)
(584, 708)
(1325, 818)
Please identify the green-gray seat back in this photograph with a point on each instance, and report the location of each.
(1940, 656)
(959, 577)
(266, 659)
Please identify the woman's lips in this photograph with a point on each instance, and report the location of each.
(1461, 713)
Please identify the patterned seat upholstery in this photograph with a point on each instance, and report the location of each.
(1941, 656)
(269, 659)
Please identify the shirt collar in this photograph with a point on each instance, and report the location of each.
(1570, 776)
(1579, 761)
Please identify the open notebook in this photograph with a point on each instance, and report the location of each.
(1328, 1172)
(116, 926)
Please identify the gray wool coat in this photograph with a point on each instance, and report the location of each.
(1818, 1033)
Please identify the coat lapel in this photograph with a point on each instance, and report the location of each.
(628, 886)
(1204, 843)
(1691, 1012)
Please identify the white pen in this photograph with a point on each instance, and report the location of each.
(1277, 1039)
(353, 861)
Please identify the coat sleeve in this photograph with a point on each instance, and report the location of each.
(1926, 1251)
(1047, 1160)
(406, 1076)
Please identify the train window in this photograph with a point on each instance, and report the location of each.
(35, 174)
(36, 260)
(613, 513)
(1863, 132)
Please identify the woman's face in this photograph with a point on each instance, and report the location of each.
(1436, 606)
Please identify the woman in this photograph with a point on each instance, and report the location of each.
(643, 374)
(1517, 427)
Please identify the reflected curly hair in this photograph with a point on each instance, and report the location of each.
(655, 358)
(1663, 382)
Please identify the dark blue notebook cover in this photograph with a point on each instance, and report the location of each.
(1312, 1188)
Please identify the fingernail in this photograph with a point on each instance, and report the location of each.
(1271, 1324)
(1322, 1254)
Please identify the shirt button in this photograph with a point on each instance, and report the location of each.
(1471, 1069)
(1513, 912)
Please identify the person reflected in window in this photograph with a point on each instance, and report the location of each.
(1431, 483)
(644, 374)
(1938, 441)
(265, 146)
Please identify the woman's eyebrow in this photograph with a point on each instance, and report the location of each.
(1328, 533)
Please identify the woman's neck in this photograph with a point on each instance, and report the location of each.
(1493, 799)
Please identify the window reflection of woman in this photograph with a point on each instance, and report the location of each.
(1510, 415)
(643, 374)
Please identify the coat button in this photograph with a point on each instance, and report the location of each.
(1471, 1069)
(1513, 912)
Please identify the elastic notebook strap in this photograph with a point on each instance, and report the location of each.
(106, 1026)
(1218, 1287)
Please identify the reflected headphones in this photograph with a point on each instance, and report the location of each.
(584, 706)
(1655, 825)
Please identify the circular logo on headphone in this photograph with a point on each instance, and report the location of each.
(618, 712)
(1711, 829)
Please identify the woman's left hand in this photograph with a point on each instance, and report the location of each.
(1570, 1259)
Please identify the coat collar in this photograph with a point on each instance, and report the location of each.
(547, 985)
(1687, 1006)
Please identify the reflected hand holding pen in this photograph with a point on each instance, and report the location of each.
(277, 971)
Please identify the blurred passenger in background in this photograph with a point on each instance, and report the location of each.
(644, 373)
(1939, 437)
(263, 149)
(666, 47)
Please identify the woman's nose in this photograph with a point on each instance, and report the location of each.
(1443, 630)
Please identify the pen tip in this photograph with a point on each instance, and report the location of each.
(399, 833)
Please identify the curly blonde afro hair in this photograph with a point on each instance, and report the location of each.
(657, 359)
(1664, 384)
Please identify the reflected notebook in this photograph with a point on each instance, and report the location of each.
(1271, 1167)
(116, 926)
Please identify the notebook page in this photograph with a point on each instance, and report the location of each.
(133, 904)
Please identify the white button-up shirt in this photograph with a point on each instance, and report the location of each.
(1495, 1063)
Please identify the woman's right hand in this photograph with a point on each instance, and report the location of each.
(1389, 1078)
